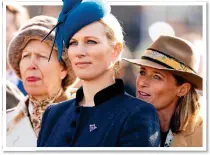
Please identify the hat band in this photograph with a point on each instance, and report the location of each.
(164, 60)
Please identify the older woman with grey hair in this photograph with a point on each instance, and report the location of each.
(45, 81)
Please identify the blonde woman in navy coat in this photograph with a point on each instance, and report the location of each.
(102, 114)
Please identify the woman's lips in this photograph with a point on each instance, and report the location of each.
(32, 79)
(143, 95)
(82, 64)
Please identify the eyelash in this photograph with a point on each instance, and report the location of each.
(157, 77)
(71, 43)
(92, 41)
(142, 73)
(88, 42)
(41, 56)
(24, 56)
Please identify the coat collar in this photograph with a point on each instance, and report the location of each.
(193, 123)
(104, 94)
(20, 111)
(179, 138)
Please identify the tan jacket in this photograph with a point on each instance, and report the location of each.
(19, 128)
(20, 132)
(191, 137)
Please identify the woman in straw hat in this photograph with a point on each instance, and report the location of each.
(102, 114)
(168, 80)
(44, 81)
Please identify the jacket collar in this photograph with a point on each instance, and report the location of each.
(193, 123)
(20, 112)
(103, 95)
(23, 106)
(179, 138)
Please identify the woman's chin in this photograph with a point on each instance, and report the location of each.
(34, 91)
(86, 77)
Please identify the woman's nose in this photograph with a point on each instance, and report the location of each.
(33, 62)
(142, 82)
(81, 51)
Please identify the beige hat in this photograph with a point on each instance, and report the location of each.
(36, 28)
(172, 54)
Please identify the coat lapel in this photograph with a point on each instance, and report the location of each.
(19, 129)
(180, 139)
(23, 135)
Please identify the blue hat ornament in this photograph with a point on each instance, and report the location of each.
(76, 14)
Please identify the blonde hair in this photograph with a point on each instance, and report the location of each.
(114, 33)
(70, 77)
(113, 28)
(187, 109)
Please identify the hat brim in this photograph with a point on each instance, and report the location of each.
(194, 79)
(19, 42)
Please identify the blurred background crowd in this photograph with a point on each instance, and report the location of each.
(141, 24)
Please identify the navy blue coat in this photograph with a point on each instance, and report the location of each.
(116, 120)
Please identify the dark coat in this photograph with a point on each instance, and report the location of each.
(116, 120)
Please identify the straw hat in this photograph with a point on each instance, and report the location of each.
(173, 54)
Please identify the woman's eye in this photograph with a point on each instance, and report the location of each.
(91, 42)
(157, 77)
(25, 56)
(41, 56)
(72, 43)
(142, 72)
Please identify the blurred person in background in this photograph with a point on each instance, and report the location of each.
(126, 72)
(45, 81)
(167, 79)
(52, 11)
(13, 95)
(102, 114)
(15, 16)
(197, 41)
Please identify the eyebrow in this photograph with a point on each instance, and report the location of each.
(86, 37)
(159, 73)
(25, 51)
(40, 52)
(142, 68)
(156, 72)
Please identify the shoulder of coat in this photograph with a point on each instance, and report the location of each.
(195, 125)
(71, 92)
(10, 110)
(13, 90)
(21, 107)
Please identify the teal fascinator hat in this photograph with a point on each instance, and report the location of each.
(76, 14)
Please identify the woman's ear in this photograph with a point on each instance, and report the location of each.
(117, 50)
(184, 89)
(63, 73)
